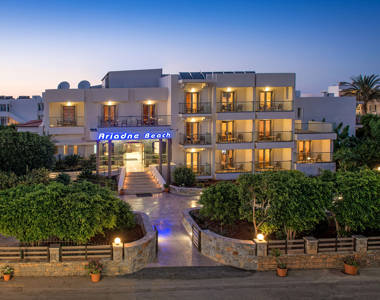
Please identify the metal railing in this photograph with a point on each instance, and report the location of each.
(274, 136)
(313, 127)
(135, 121)
(195, 139)
(314, 157)
(244, 106)
(202, 170)
(233, 167)
(234, 137)
(274, 106)
(261, 166)
(199, 108)
(78, 121)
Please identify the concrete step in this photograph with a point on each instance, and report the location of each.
(145, 191)
(140, 183)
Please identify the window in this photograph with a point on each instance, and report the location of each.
(149, 114)
(40, 106)
(264, 158)
(192, 131)
(227, 159)
(3, 121)
(266, 98)
(68, 115)
(191, 102)
(303, 151)
(228, 101)
(299, 113)
(4, 107)
(109, 114)
(226, 131)
(265, 129)
(193, 161)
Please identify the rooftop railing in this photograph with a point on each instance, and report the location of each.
(135, 121)
(273, 106)
(274, 136)
(239, 106)
(234, 137)
(195, 139)
(77, 121)
(196, 108)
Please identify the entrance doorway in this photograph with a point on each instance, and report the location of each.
(133, 157)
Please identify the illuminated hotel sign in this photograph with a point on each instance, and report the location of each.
(130, 136)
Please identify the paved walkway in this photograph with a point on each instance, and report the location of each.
(165, 211)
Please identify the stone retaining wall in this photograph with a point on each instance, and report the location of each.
(185, 191)
(252, 255)
(127, 258)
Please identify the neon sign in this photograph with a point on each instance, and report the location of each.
(132, 136)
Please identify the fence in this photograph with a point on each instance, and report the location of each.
(336, 245)
(24, 253)
(287, 246)
(196, 237)
(85, 252)
(373, 243)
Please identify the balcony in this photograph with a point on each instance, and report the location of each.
(199, 108)
(313, 127)
(222, 107)
(233, 167)
(314, 157)
(202, 170)
(197, 139)
(234, 138)
(272, 166)
(274, 136)
(78, 121)
(135, 121)
(274, 106)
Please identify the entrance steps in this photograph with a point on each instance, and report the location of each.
(140, 183)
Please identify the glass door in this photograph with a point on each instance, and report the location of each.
(304, 149)
(265, 129)
(68, 116)
(149, 114)
(192, 132)
(227, 131)
(264, 158)
(266, 98)
(193, 161)
(192, 102)
(109, 115)
(228, 101)
(227, 159)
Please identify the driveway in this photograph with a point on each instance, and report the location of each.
(165, 212)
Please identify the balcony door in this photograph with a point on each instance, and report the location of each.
(193, 161)
(149, 114)
(264, 158)
(192, 102)
(266, 98)
(304, 150)
(227, 159)
(109, 114)
(192, 132)
(68, 118)
(228, 101)
(226, 131)
(265, 129)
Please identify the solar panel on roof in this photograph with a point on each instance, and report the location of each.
(185, 75)
(197, 75)
(250, 72)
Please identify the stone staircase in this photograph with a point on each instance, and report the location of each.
(140, 183)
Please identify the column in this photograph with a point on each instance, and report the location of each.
(360, 243)
(117, 252)
(311, 245)
(168, 179)
(97, 157)
(109, 158)
(213, 130)
(160, 156)
(261, 247)
(54, 253)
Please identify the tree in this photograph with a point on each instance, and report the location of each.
(356, 202)
(365, 88)
(75, 212)
(21, 152)
(220, 203)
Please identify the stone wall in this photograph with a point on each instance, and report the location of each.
(127, 258)
(252, 255)
(185, 191)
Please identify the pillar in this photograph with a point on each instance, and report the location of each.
(160, 156)
(261, 247)
(97, 157)
(213, 130)
(54, 253)
(109, 158)
(360, 243)
(168, 179)
(117, 252)
(311, 245)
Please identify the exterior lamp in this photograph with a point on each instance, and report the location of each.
(109, 102)
(69, 103)
(192, 120)
(149, 102)
(267, 89)
(117, 241)
(229, 89)
(378, 168)
(260, 237)
(193, 90)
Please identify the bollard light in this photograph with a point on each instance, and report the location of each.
(260, 237)
(117, 241)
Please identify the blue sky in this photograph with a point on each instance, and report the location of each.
(45, 42)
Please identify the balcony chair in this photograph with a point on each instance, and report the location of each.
(278, 137)
(240, 138)
(319, 157)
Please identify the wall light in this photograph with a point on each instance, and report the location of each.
(109, 102)
(149, 102)
(229, 89)
(260, 237)
(117, 241)
(267, 89)
(193, 90)
(193, 150)
(192, 120)
(378, 168)
(69, 103)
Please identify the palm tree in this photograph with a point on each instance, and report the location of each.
(365, 88)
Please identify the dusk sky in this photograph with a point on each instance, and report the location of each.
(45, 42)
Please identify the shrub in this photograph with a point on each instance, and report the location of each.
(86, 174)
(21, 152)
(71, 160)
(36, 176)
(89, 163)
(184, 177)
(63, 178)
(7, 270)
(220, 203)
(75, 212)
(125, 216)
(94, 267)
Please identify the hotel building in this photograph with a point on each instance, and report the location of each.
(219, 124)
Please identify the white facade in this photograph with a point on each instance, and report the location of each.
(220, 124)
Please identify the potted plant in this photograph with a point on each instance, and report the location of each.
(166, 188)
(94, 268)
(7, 272)
(351, 265)
(282, 269)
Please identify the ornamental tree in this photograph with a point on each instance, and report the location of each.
(21, 152)
(75, 212)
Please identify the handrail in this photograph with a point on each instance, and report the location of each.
(196, 108)
(274, 136)
(234, 137)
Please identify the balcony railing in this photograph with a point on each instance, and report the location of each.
(261, 166)
(234, 137)
(233, 167)
(274, 106)
(313, 127)
(199, 108)
(202, 170)
(314, 157)
(78, 121)
(135, 121)
(274, 136)
(246, 106)
(195, 139)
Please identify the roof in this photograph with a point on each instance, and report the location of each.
(33, 123)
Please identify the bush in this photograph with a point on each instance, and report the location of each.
(184, 177)
(86, 174)
(63, 178)
(220, 203)
(75, 212)
(89, 163)
(71, 160)
(36, 176)
(21, 152)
